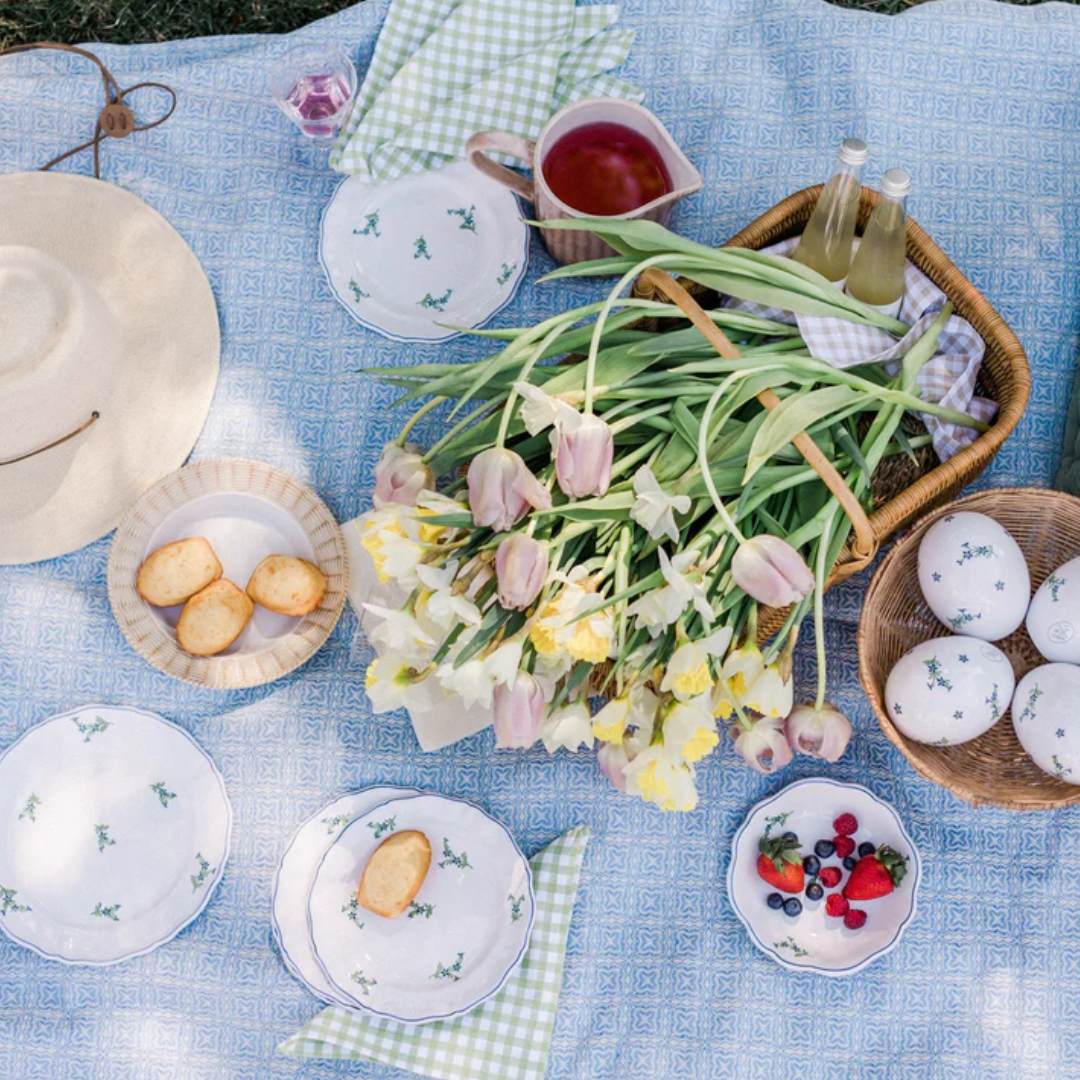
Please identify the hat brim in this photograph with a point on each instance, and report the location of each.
(167, 367)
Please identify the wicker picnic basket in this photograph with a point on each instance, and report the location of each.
(902, 490)
(992, 769)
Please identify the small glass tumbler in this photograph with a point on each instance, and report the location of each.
(314, 88)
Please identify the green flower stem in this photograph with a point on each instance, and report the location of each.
(601, 319)
(821, 570)
(628, 461)
(412, 421)
(703, 461)
(523, 376)
(456, 430)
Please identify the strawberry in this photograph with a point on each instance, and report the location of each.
(830, 876)
(855, 919)
(876, 875)
(836, 905)
(780, 863)
(844, 845)
(846, 825)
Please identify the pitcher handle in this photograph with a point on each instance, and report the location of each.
(502, 142)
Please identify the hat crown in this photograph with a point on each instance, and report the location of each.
(42, 310)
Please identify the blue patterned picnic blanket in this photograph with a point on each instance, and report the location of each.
(981, 101)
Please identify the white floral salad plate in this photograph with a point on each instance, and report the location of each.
(462, 937)
(813, 940)
(246, 510)
(295, 876)
(415, 258)
(114, 831)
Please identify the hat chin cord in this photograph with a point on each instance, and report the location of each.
(115, 121)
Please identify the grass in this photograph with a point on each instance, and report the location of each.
(128, 21)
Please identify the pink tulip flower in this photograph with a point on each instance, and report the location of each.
(822, 733)
(771, 571)
(519, 712)
(501, 489)
(764, 745)
(521, 568)
(401, 475)
(584, 449)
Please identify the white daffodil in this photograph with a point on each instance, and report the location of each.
(568, 728)
(687, 673)
(661, 608)
(440, 603)
(475, 680)
(757, 686)
(539, 410)
(654, 509)
(609, 724)
(392, 684)
(654, 777)
(399, 633)
(690, 730)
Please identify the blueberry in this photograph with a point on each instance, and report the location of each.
(793, 837)
(824, 848)
(814, 891)
(792, 907)
(850, 862)
(811, 864)
(866, 848)
(775, 901)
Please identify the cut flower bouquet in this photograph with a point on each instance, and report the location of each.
(611, 523)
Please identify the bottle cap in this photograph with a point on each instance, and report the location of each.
(896, 183)
(854, 152)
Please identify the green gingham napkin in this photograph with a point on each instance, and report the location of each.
(445, 69)
(506, 1038)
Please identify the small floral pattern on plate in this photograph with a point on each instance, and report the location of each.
(462, 936)
(419, 258)
(134, 813)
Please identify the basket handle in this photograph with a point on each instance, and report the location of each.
(865, 543)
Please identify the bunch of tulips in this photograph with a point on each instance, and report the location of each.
(616, 504)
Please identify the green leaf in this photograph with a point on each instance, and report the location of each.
(793, 416)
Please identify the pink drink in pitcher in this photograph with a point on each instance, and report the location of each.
(314, 88)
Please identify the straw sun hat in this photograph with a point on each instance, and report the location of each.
(109, 348)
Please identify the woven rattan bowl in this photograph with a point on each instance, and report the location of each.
(992, 769)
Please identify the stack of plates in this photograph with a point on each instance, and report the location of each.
(114, 831)
(462, 937)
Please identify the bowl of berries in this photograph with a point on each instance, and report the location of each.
(824, 877)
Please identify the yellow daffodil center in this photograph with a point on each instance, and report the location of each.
(737, 683)
(724, 709)
(693, 682)
(587, 644)
(372, 675)
(700, 744)
(542, 634)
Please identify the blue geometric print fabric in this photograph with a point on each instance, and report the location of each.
(981, 101)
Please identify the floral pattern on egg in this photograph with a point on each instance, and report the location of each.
(974, 576)
(949, 690)
(1053, 620)
(1044, 716)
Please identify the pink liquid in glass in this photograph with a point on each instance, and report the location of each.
(318, 102)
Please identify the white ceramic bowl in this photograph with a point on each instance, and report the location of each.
(814, 941)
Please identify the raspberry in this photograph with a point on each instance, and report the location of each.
(846, 825)
(844, 845)
(830, 876)
(855, 919)
(836, 905)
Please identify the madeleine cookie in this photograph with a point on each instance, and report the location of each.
(287, 585)
(394, 873)
(213, 619)
(176, 572)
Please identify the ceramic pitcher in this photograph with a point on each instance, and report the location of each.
(572, 247)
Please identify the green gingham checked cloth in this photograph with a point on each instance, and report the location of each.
(508, 1037)
(445, 69)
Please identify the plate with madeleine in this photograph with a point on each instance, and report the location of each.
(228, 574)
(420, 909)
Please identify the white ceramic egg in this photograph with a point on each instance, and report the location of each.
(1047, 722)
(949, 690)
(974, 576)
(1053, 620)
